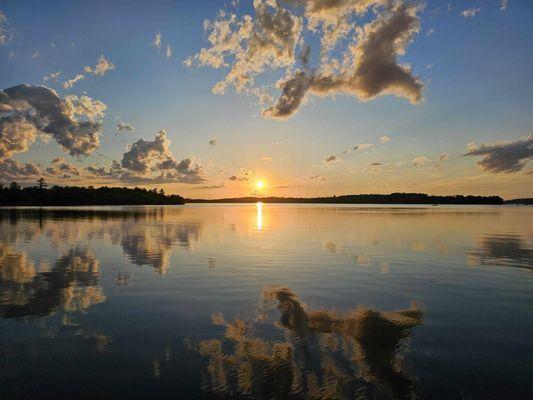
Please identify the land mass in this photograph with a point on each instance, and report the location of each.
(14, 195)
(84, 196)
(393, 198)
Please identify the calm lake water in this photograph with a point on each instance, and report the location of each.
(267, 301)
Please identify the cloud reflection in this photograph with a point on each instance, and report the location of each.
(71, 284)
(503, 250)
(320, 354)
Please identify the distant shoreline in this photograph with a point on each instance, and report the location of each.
(72, 196)
(393, 198)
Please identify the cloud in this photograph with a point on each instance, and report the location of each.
(13, 170)
(61, 169)
(504, 4)
(248, 46)
(52, 76)
(384, 139)
(154, 156)
(6, 33)
(419, 161)
(444, 157)
(430, 32)
(266, 158)
(25, 111)
(470, 12)
(363, 146)
(503, 156)
(169, 51)
(150, 162)
(157, 40)
(213, 142)
(35, 54)
(101, 68)
(376, 164)
(221, 186)
(123, 126)
(242, 176)
(71, 82)
(332, 159)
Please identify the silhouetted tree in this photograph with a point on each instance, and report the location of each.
(14, 186)
(42, 183)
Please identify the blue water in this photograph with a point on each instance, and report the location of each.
(267, 301)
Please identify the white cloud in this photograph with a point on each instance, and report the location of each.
(470, 12)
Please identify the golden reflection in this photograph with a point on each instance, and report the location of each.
(259, 207)
(320, 354)
(71, 284)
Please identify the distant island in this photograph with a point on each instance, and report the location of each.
(393, 198)
(40, 195)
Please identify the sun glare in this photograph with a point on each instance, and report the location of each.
(260, 184)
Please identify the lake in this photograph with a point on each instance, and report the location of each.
(267, 301)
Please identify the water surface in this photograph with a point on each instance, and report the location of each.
(267, 301)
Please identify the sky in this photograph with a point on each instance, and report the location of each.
(212, 98)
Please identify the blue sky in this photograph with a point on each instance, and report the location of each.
(477, 75)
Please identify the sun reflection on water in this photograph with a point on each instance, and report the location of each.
(259, 206)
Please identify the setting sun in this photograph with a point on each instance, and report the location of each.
(260, 184)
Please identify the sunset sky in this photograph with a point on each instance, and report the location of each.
(309, 97)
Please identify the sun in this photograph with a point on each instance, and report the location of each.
(260, 184)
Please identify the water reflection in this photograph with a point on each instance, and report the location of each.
(259, 215)
(323, 354)
(27, 291)
(502, 250)
(152, 245)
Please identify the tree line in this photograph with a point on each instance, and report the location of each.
(393, 198)
(41, 194)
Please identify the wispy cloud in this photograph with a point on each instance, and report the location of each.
(52, 76)
(71, 82)
(100, 69)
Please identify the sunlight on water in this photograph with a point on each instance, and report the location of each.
(266, 301)
(259, 215)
